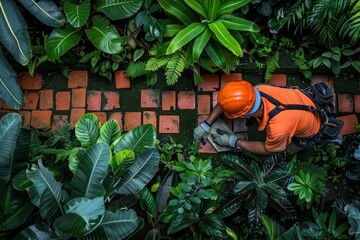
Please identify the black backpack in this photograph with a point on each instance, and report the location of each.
(323, 97)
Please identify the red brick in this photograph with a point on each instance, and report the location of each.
(168, 100)
(169, 124)
(350, 122)
(7, 107)
(202, 118)
(121, 81)
(150, 98)
(78, 98)
(58, 121)
(1, 104)
(46, 99)
(239, 125)
(28, 82)
(203, 104)
(149, 117)
(41, 119)
(357, 103)
(78, 79)
(207, 148)
(215, 98)
(62, 101)
(118, 117)
(76, 114)
(322, 78)
(229, 78)
(111, 100)
(93, 100)
(186, 100)
(278, 80)
(31, 101)
(26, 117)
(101, 116)
(211, 82)
(132, 120)
(345, 103)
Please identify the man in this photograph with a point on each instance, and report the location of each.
(285, 129)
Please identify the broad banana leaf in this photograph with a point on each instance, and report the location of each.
(110, 132)
(200, 43)
(228, 6)
(46, 11)
(92, 169)
(20, 181)
(118, 9)
(13, 32)
(140, 173)
(10, 92)
(137, 139)
(104, 35)
(37, 231)
(148, 202)
(62, 40)
(239, 24)
(121, 163)
(9, 130)
(87, 130)
(52, 196)
(116, 225)
(82, 216)
(77, 14)
(15, 208)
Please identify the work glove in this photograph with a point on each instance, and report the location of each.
(201, 132)
(224, 138)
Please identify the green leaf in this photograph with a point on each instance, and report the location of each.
(77, 14)
(10, 92)
(104, 35)
(118, 9)
(228, 6)
(13, 32)
(326, 62)
(110, 132)
(82, 215)
(273, 228)
(212, 8)
(137, 139)
(62, 40)
(225, 38)
(238, 24)
(9, 130)
(93, 166)
(140, 173)
(87, 130)
(49, 191)
(179, 10)
(138, 54)
(148, 202)
(121, 163)
(20, 182)
(172, 30)
(45, 11)
(116, 225)
(185, 36)
(200, 43)
(181, 222)
(215, 53)
(317, 62)
(197, 7)
(39, 230)
(356, 65)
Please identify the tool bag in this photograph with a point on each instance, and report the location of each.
(322, 96)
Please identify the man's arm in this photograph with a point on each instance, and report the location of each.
(257, 147)
(215, 113)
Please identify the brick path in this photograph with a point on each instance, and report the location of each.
(170, 111)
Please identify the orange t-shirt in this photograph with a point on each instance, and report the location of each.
(288, 123)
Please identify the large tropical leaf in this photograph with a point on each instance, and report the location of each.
(185, 36)
(9, 130)
(274, 229)
(40, 230)
(50, 192)
(216, 54)
(46, 11)
(239, 24)
(118, 9)
(200, 43)
(163, 193)
(110, 132)
(212, 8)
(92, 169)
(87, 130)
(225, 38)
(13, 32)
(197, 7)
(121, 163)
(82, 216)
(228, 6)
(179, 10)
(213, 226)
(137, 139)
(10, 92)
(77, 14)
(62, 40)
(116, 225)
(140, 173)
(148, 202)
(104, 35)
(182, 221)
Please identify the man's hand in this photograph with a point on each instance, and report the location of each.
(201, 132)
(224, 138)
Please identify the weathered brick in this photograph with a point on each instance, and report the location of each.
(357, 103)
(31, 101)
(229, 78)
(78, 97)
(345, 103)
(46, 99)
(41, 119)
(121, 80)
(211, 82)
(150, 98)
(149, 117)
(278, 80)
(78, 79)
(132, 120)
(186, 100)
(168, 100)
(58, 121)
(350, 122)
(169, 124)
(111, 100)
(26, 117)
(28, 82)
(93, 100)
(203, 104)
(76, 114)
(62, 101)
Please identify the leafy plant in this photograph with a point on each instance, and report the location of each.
(14, 37)
(328, 155)
(170, 152)
(353, 213)
(300, 60)
(277, 232)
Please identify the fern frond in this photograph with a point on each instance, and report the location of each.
(354, 21)
(272, 64)
(136, 69)
(155, 63)
(174, 68)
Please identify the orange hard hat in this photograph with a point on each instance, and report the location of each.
(239, 98)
